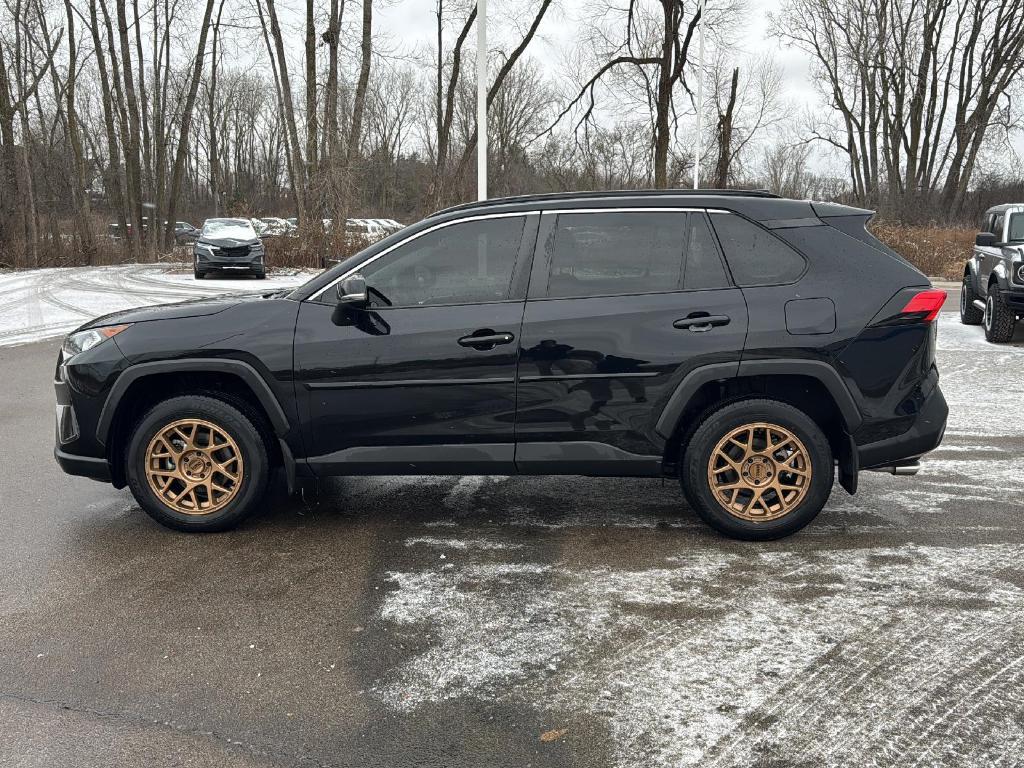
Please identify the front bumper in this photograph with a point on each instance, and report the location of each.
(83, 466)
(251, 261)
(1014, 298)
(924, 435)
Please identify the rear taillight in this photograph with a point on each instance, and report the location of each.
(924, 306)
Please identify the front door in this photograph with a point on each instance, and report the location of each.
(427, 383)
(622, 305)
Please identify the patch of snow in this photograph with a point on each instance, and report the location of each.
(44, 303)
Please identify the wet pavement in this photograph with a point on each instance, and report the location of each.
(520, 621)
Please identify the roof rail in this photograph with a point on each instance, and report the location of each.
(591, 194)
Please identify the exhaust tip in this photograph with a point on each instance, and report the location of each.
(903, 469)
(979, 304)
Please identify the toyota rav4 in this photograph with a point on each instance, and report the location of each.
(754, 348)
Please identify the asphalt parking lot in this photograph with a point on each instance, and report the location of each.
(486, 621)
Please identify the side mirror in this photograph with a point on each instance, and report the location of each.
(985, 239)
(352, 292)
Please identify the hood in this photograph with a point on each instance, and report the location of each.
(177, 311)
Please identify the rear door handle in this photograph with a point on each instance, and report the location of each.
(486, 339)
(698, 322)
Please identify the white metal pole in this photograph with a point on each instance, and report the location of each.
(700, 95)
(481, 99)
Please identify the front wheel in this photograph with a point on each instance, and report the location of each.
(999, 317)
(196, 464)
(757, 470)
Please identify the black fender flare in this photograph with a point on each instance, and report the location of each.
(248, 374)
(815, 369)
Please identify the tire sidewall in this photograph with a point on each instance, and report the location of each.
(728, 418)
(226, 417)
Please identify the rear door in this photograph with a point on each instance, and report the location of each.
(622, 305)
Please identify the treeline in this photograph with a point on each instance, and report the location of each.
(148, 111)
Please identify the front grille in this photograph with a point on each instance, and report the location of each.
(234, 253)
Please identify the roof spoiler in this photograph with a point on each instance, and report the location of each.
(826, 210)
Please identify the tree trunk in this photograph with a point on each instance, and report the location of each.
(186, 124)
(721, 180)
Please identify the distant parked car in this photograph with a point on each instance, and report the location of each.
(273, 227)
(185, 233)
(993, 289)
(231, 245)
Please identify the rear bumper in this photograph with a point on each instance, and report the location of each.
(924, 435)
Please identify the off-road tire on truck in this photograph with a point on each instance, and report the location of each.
(970, 314)
(999, 317)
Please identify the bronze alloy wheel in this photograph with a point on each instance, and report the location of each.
(759, 472)
(194, 467)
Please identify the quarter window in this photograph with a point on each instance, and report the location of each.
(467, 263)
(703, 264)
(755, 256)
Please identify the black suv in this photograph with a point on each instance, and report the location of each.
(747, 345)
(993, 291)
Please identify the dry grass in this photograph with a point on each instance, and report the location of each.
(936, 251)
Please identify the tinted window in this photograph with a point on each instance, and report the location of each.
(704, 267)
(755, 256)
(997, 227)
(601, 254)
(1016, 231)
(463, 263)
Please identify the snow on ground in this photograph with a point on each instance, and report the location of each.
(850, 644)
(44, 303)
(887, 633)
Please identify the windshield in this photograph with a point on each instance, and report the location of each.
(239, 229)
(1015, 232)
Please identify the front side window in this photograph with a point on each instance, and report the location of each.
(466, 263)
(997, 226)
(1015, 232)
(755, 256)
(615, 253)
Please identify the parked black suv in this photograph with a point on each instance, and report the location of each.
(746, 344)
(993, 291)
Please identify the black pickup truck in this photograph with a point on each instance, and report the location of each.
(993, 292)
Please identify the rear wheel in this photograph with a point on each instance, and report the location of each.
(196, 464)
(969, 314)
(757, 470)
(999, 317)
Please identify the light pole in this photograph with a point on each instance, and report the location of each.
(481, 99)
(700, 93)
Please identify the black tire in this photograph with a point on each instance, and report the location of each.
(714, 428)
(969, 314)
(227, 418)
(261, 275)
(999, 317)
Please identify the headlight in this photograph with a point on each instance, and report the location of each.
(76, 343)
(204, 248)
(256, 247)
(1020, 273)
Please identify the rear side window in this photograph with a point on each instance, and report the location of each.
(603, 254)
(755, 256)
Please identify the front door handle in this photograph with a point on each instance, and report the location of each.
(699, 322)
(486, 339)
